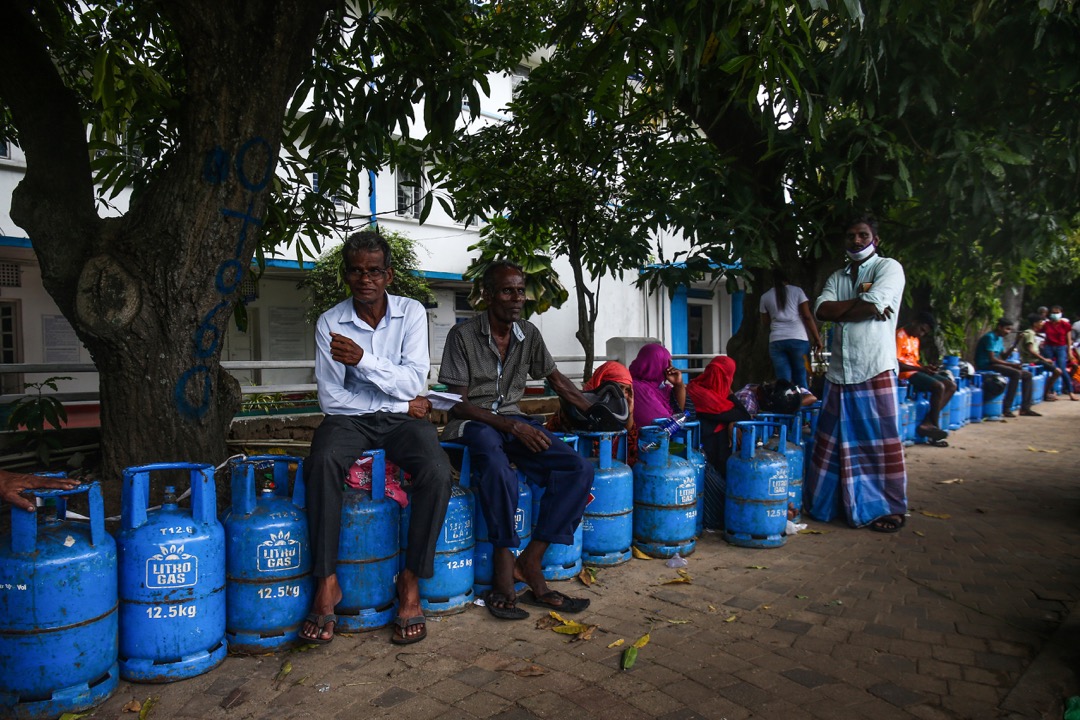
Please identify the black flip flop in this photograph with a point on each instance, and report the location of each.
(933, 434)
(510, 611)
(401, 624)
(564, 603)
(886, 524)
(938, 443)
(320, 622)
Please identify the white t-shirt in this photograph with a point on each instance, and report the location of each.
(786, 323)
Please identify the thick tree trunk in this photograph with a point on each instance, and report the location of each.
(150, 293)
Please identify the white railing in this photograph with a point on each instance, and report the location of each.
(246, 365)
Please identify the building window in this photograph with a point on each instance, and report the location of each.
(410, 195)
(5, 150)
(10, 341)
(518, 76)
(315, 188)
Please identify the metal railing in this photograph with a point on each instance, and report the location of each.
(235, 366)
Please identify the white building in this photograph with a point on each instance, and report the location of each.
(699, 320)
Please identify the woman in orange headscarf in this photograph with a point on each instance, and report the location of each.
(616, 372)
(716, 409)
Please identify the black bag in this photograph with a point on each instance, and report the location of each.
(993, 385)
(608, 413)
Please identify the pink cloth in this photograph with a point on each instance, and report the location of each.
(359, 478)
(652, 394)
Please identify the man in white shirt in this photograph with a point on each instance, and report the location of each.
(371, 363)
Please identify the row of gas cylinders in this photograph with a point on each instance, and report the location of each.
(177, 587)
(968, 403)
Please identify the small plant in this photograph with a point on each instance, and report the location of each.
(33, 412)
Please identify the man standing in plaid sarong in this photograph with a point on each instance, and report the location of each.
(858, 459)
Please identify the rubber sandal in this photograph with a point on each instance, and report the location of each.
(886, 524)
(938, 443)
(933, 433)
(554, 600)
(510, 611)
(401, 624)
(320, 622)
(1030, 413)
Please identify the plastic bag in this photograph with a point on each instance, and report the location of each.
(359, 478)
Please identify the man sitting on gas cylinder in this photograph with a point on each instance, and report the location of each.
(371, 363)
(1031, 352)
(486, 361)
(939, 384)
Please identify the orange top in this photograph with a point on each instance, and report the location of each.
(907, 351)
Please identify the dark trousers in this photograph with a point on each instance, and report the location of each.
(411, 444)
(565, 476)
(1015, 375)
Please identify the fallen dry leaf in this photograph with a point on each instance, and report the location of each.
(617, 643)
(530, 671)
(757, 567)
(587, 576)
(545, 622)
(133, 706)
(638, 554)
(147, 707)
(939, 516)
(712, 608)
(951, 481)
(920, 533)
(731, 619)
(679, 622)
(1052, 452)
(675, 581)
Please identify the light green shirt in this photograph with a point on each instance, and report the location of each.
(860, 350)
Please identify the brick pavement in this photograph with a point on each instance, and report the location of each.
(941, 621)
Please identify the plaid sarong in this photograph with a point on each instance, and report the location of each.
(858, 458)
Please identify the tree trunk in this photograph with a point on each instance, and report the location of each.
(150, 293)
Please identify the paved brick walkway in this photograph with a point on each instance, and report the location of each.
(944, 620)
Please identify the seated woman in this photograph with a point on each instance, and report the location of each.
(615, 372)
(716, 409)
(658, 386)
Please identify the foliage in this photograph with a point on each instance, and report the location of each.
(325, 282)
(501, 241)
(34, 412)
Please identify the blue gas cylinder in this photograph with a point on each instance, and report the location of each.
(608, 524)
(903, 410)
(686, 443)
(58, 617)
(268, 583)
(922, 406)
(755, 514)
(368, 553)
(665, 498)
(450, 589)
(957, 412)
(964, 391)
(992, 407)
(975, 386)
(172, 578)
(560, 562)
(483, 555)
(1038, 383)
(794, 451)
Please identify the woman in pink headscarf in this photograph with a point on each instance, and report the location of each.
(659, 391)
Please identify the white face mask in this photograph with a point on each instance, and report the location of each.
(1055, 316)
(862, 254)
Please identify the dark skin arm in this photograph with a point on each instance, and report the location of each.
(529, 436)
(854, 310)
(13, 484)
(811, 326)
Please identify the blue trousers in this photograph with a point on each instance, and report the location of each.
(787, 359)
(565, 476)
(1060, 355)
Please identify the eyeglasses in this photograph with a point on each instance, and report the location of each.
(369, 273)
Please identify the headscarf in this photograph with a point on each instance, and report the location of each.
(610, 371)
(652, 396)
(711, 390)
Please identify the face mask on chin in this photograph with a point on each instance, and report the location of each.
(862, 254)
